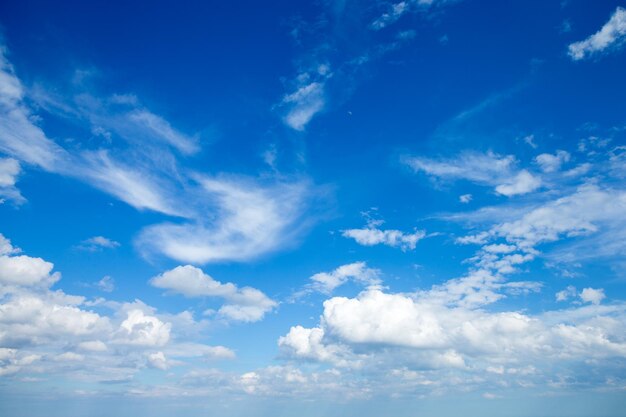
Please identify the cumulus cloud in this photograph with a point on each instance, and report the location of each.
(43, 330)
(372, 235)
(488, 169)
(430, 334)
(592, 295)
(397, 10)
(242, 304)
(326, 282)
(610, 36)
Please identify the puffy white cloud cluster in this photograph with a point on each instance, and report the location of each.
(42, 329)
(462, 332)
(242, 304)
(379, 330)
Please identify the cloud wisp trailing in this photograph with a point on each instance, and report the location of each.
(211, 218)
(610, 37)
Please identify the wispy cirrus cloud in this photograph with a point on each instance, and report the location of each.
(327, 71)
(242, 304)
(137, 157)
(611, 36)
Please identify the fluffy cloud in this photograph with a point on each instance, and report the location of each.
(97, 243)
(465, 198)
(243, 304)
(611, 35)
(522, 183)
(397, 10)
(592, 295)
(326, 282)
(551, 163)
(372, 235)
(582, 212)
(46, 331)
(482, 168)
(416, 330)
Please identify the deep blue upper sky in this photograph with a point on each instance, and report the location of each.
(313, 208)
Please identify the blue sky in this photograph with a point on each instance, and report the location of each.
(331, 208)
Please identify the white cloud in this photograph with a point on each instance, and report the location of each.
(225, 218)
(140, 329)
(251, 220)
(93, 346)
(465, 198)
(243, 304)
(141, 124)
(24, 270)
(592, 295)
(397, 10)
(371, 235)
(566, 294)
(306, 343)
(97, 243)
(482, 168)
(9, 171)
(522, 183)
(551, 163)
(106, 284)
(417, 329)
(611, 35)
(43, 331)
(158, 360)
(303, 104)
(326, 282)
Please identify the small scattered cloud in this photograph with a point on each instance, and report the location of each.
(106, 284)
(592, 295)
(551, 163)
(465, 198)
(9, 171)
(610, 37)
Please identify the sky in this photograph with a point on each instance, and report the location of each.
(326, 208)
